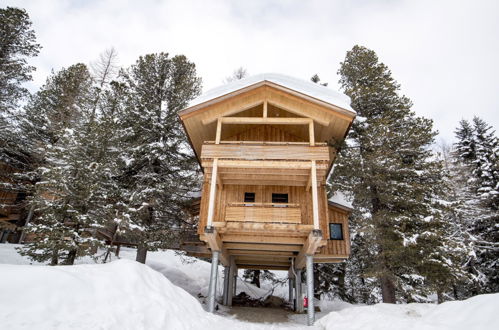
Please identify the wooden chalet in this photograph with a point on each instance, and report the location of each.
(262, 143)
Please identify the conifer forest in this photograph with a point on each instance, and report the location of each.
(99, 148)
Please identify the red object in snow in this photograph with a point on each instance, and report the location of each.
(305, 302)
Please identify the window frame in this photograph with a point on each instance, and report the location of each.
(331, 231)
(274, 195)
(247, 194)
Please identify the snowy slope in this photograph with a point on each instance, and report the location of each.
(477, 313)
(309, 88)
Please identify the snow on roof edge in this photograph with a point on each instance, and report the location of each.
(308, 88)
(340, 198)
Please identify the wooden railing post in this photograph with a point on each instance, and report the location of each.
(315, 203)
(213, 188)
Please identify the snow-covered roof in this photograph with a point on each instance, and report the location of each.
(340, 198)
(308, 88)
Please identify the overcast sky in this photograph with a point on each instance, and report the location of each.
(445, 54)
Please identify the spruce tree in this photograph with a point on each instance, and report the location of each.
(395, 180)
(479, 196)
(58, 120)
(159, 170)
(17, 43)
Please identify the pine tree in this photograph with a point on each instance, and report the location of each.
(479, 196)
(59, 120)
(396, 183)
(17, 43)
(159, 171)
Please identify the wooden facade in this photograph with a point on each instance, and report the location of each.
(264, 152)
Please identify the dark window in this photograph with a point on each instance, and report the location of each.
(249, 197)
(279, 198)
(336, 231)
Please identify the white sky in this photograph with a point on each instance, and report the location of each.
(445, 54)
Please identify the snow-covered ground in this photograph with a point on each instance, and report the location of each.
(124, 294)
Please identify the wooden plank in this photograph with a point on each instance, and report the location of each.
(266, 121)
(260, 253)
(262, 247)
(263, 164)
(262, 239)
(263, 214)
(213, 185)
(265, 109)
(261, 152)
(267, 267)
(256, 228)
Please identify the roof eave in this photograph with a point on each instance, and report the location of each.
(322, 103)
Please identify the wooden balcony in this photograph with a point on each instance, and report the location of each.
(248, 150)
(269, 163)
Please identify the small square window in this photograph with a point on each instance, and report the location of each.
(336, 231)
(279, 198)
(249, 197)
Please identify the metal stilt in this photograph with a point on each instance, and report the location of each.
(298, 295)
(310, 290)
(212, 290)
(226, 285)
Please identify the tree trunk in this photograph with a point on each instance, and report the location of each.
(141, 254)
(387, 290)
(440, 297)
(341, 284)
(117, 253)
(256, 278)
(70, 259)
(55, 258)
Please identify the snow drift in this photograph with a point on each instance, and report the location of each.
(120, 295)
(477, 313)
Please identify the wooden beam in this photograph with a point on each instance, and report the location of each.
(262, 247)
(264, 267)
(265, 109)
(262, 239)
(219, 131)
(215, 115)
(267, 120)
(264, 164)
(311, 133)
(212, 238)
(315, 202)
(213, 186)
(314, 241)
(254, 253)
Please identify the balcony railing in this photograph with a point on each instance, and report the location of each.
(263, 212)
(247, 150)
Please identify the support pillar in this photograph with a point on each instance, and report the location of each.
(231, 280)
(298, 295)
(290, 291)
(226, 285)
(310, 290)
(212, 290)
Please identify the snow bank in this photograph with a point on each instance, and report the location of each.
(475, 313)
(120, 295)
